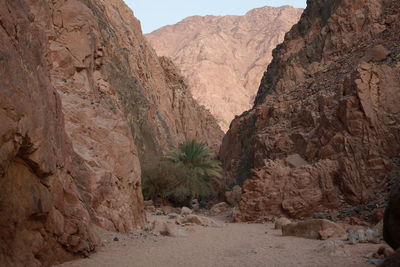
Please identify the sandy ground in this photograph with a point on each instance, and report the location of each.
(231, 245)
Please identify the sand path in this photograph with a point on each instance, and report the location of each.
(232, 245)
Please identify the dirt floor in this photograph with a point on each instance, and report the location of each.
(238, 244)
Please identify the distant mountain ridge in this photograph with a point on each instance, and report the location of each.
(223, 58)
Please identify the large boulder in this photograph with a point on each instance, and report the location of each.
(233, 197)
(314, 229)
(391, 223)
(219, 208)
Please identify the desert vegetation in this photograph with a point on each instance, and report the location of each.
(186, 172)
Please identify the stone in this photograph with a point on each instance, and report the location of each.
(281, 222)
(199, 220)
(219, 208)
(240, 47)
(185, 211)
(364, 236)
(166, 229)
(385, 251)
(295, 161)
(333, 248)
(148, 203)
(314, 229)
(233, 197)
(377, 53)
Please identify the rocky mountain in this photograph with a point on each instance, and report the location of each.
(324, 132)
(84, 103)
(223, 58)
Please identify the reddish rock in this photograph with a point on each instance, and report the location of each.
(83, 99)
(219, 208)
(314, 229)
(331, 97)
(239, 47)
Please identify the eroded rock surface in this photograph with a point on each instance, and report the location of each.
(326, 121)
(83, 100)
(223, 58)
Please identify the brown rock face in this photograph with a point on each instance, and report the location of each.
(223, 58)
(42, 215)
(326, 120)
(83, 99)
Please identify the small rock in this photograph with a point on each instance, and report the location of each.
(281, 221)
(385, 251)
(186, 211)
(375, 261)
(116, 239)
(148, 203)
(352, 237)
(199, 220)
(219, 208)
(364, 236)
(333, 248)
(233, 197)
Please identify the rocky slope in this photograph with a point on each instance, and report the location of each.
(83, 100)
(223, 58)
(325, 126)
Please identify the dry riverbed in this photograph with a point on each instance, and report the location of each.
(232, 244)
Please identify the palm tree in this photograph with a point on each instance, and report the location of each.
(201, 171)
(196, 156)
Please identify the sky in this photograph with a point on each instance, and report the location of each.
(154, 14)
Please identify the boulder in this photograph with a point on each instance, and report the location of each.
(219, 208)
(166, 229)
(281, 222)
(186, 211)
(233, 197)
(333, 248)
(391, 223)
(199, 220)
(314, 229)
(370, 235)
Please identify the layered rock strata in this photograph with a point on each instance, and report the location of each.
(326, 121)
(83, 99)
(223, 58)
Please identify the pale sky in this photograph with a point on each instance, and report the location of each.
(154, 14)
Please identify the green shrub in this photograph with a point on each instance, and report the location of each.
(185, 173)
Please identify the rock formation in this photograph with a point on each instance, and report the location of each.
(83, 99)
(223, 58)
(326, 121)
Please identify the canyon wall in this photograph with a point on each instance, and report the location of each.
(84, 102)
(223, 58)
(324, 131)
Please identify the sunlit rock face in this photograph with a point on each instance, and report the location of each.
(325, 126)
(223, 58)
(84, 102)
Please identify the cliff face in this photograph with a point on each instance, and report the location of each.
(83, 99)
(98, 46)
(326, 121)
(224, 58)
